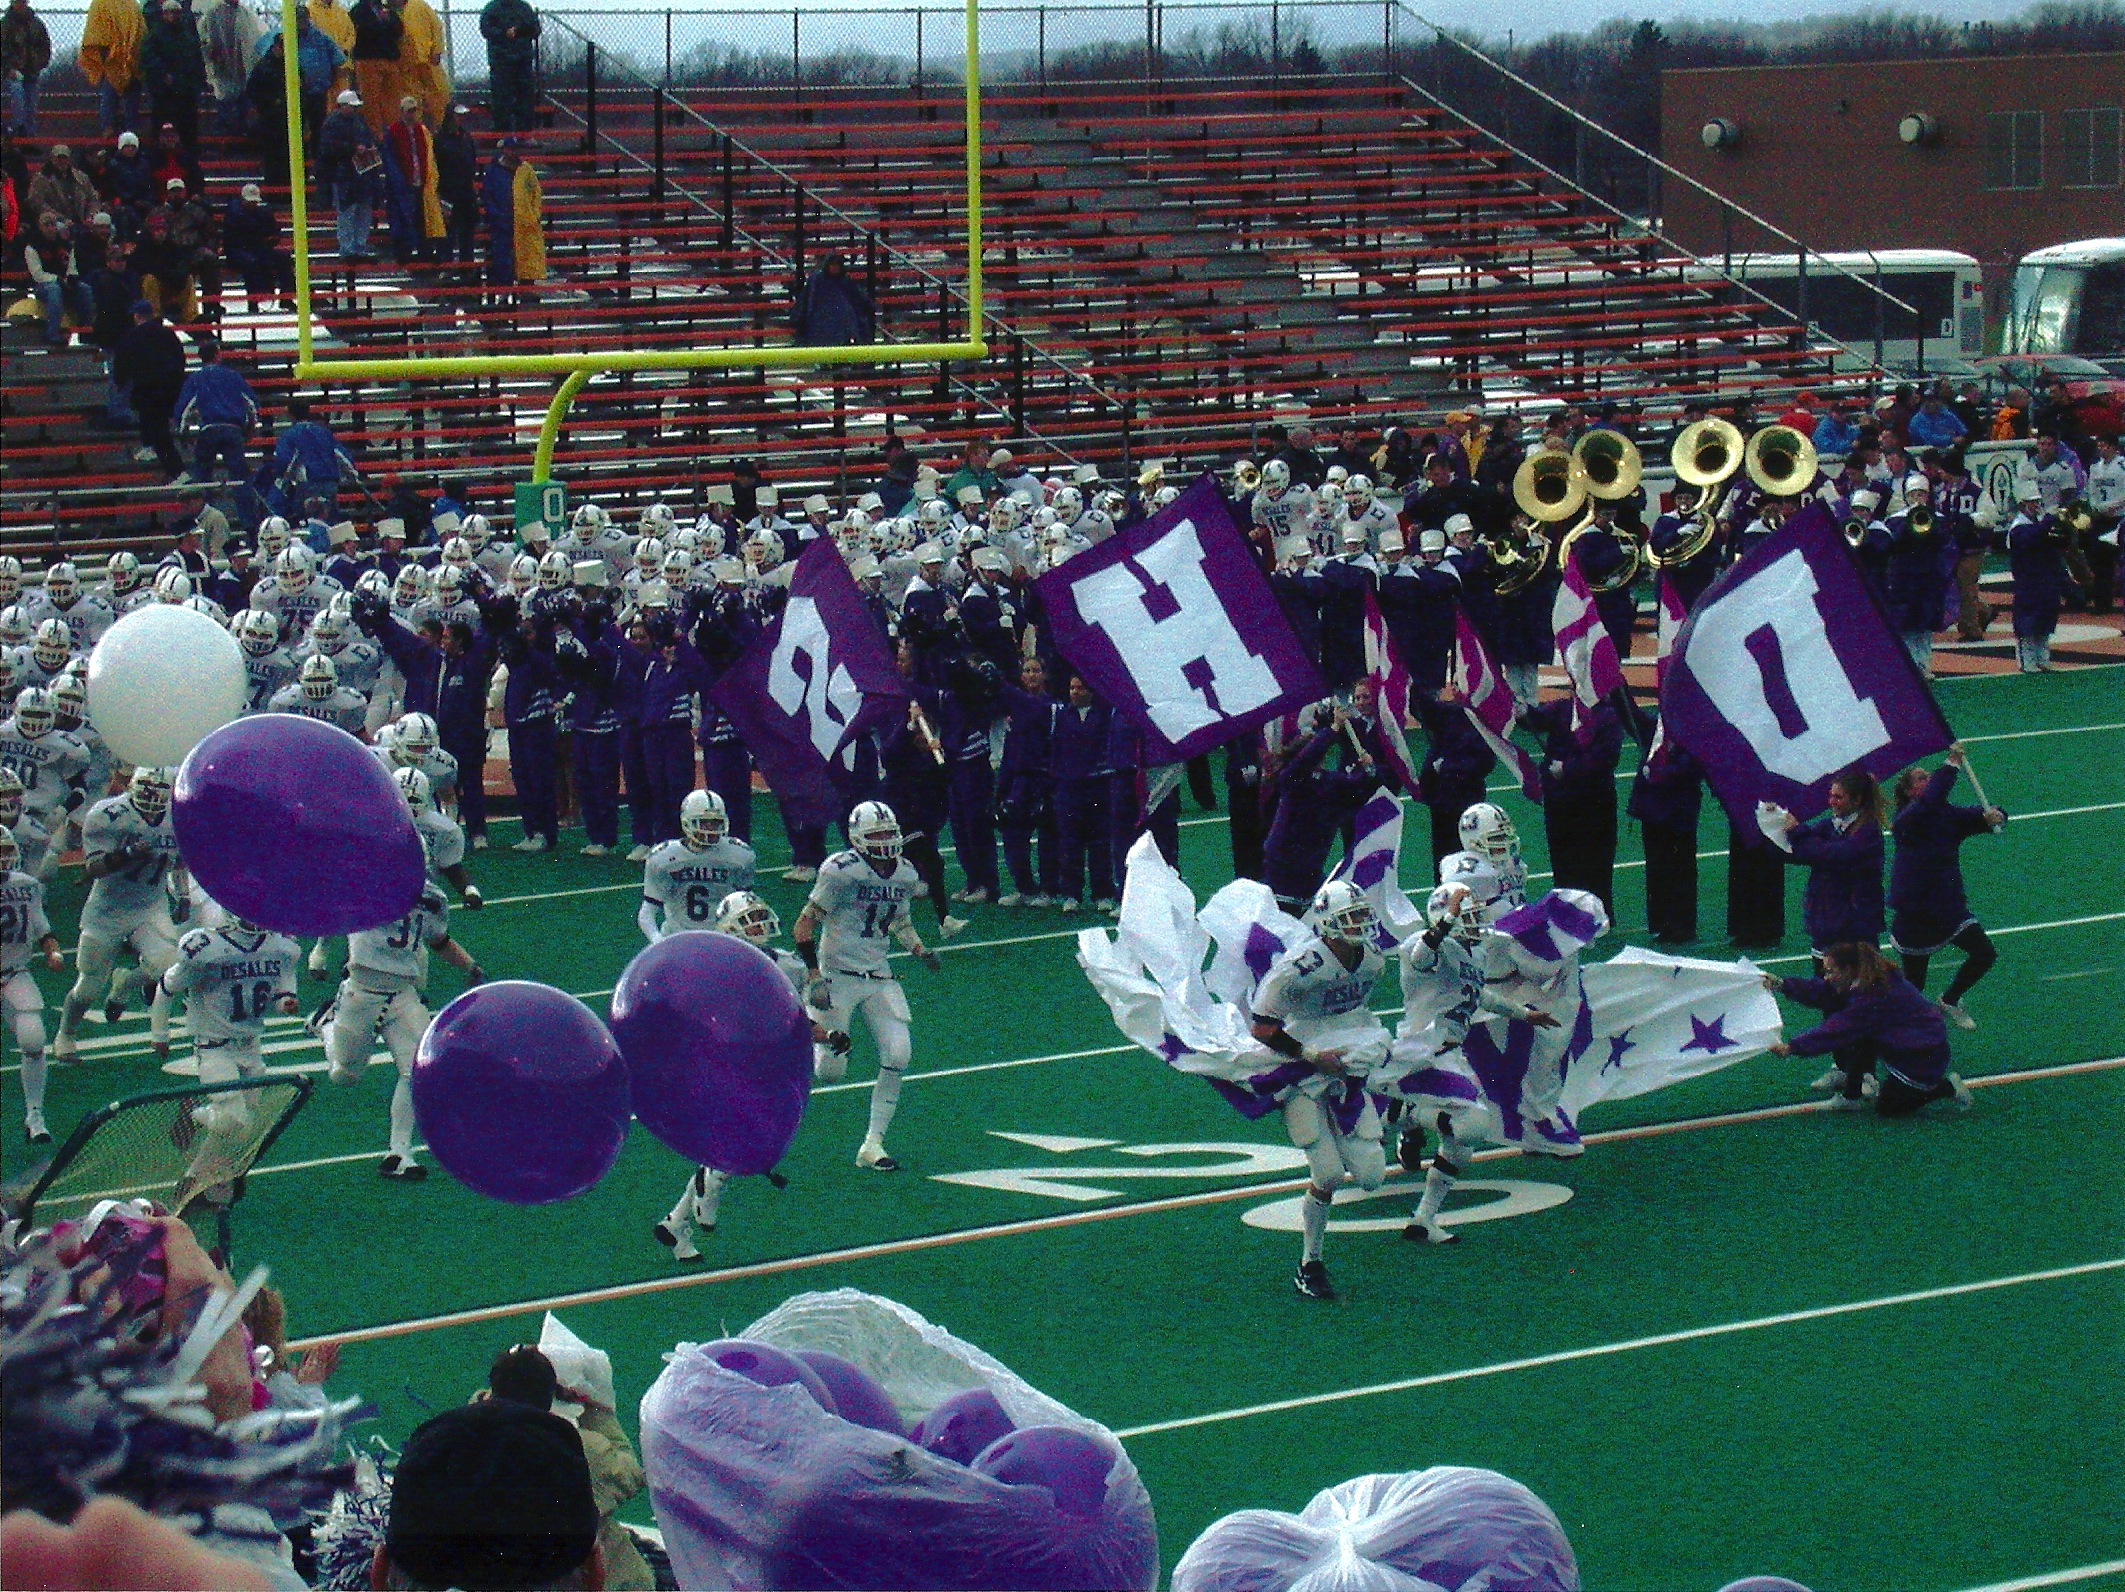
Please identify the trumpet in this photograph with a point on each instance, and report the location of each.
(1608, 465)
(1920, 519)
(1855, 530)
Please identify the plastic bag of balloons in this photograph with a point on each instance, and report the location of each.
(828, 1446)
(1447, 1529)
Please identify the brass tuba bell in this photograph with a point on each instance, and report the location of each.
(1608, 464)
(1920, 520)
(1706, 453)
(1548, 488)
(1246, 475)
(1781, 461)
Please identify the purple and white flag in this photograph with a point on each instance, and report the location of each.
(1586, 648)
(1373, 864)
(1656, 1020)
(1174, 623)
(1391, 692)
(1788, 672)
(1490, 705)
(809, 684)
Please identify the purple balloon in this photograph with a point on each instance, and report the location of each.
(770, 1367)
(1072, 1464)
(963, 1425)
(719, 1048)
(856, 1395)
(293, 824)
(521, 1092)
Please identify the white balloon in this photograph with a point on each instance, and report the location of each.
(161, 680)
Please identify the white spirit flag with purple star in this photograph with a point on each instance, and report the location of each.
(1658, 1019)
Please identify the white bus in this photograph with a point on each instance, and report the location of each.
(1945, 288)
(2069, 299)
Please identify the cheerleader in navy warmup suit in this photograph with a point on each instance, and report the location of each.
(1843, 903)
(1873, 1011)
(1926, 881)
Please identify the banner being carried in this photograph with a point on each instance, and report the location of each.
(1788, 673)
(808, 685)
(1174, 623)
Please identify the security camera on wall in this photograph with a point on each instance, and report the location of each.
(1918, 129)
(1720, 133)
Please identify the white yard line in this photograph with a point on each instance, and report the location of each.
(2030, 1583)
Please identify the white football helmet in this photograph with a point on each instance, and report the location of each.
(557, 572)
(875, 832)
(457, 554)
(763, 550)
(10, 853)
(649, 557)
(10, 799)
(329, 631)
(1341, 912)
(523, 573)
(1069, 504)
(15, 626)
(416, 739)
(273, 538)
(53, 645)
(374, 583)
(1357, 491)
(477, 531)
(588, 521)
(678, 570)
(10, 578)
(10, 673)
(34, 718)
(1276, 475)
(62, 584)
(703, 819)
(411, 586)
(1164, 496)
(1487, 830)
(173, 586)
(1335, 476)
(318, 677)
(1006, 514)
(744, 914)
(294, 568)
(70, 702)
(257, 631)
(657, 519)
(449, 586)
(149, 792)
(413, 785)
(122, 570)
(1454, 908)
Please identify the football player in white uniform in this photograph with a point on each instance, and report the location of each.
(442, 840)
(297, 595)
(1443, 992)
(85, 614)
(386, 970)
(30, 836)
(70, 712)
(748, 917)
(357, 661)
(1310, 1008)
(135, 874)
(268, 666)
(25, 931)
(685, 880)
(317, 694)
(1282, 507)
(1364, 511)
(49, 764)
(858, 906)
(1488, 862)
(413, 742)
(126, 586)
(51, 649)
(231, 979)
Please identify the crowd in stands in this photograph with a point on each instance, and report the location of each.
(152, 213)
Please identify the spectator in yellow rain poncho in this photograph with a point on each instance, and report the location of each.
(516, 219)
(398, 50)
(111, 36)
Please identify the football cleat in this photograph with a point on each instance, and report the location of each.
(33, 1128)
(951, 928)
(1832, 1078)
(402, 1169)
(1310, 1281)
(1956, 1014)
(872, 1158)
(1423, 1232)
(678, 1237)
